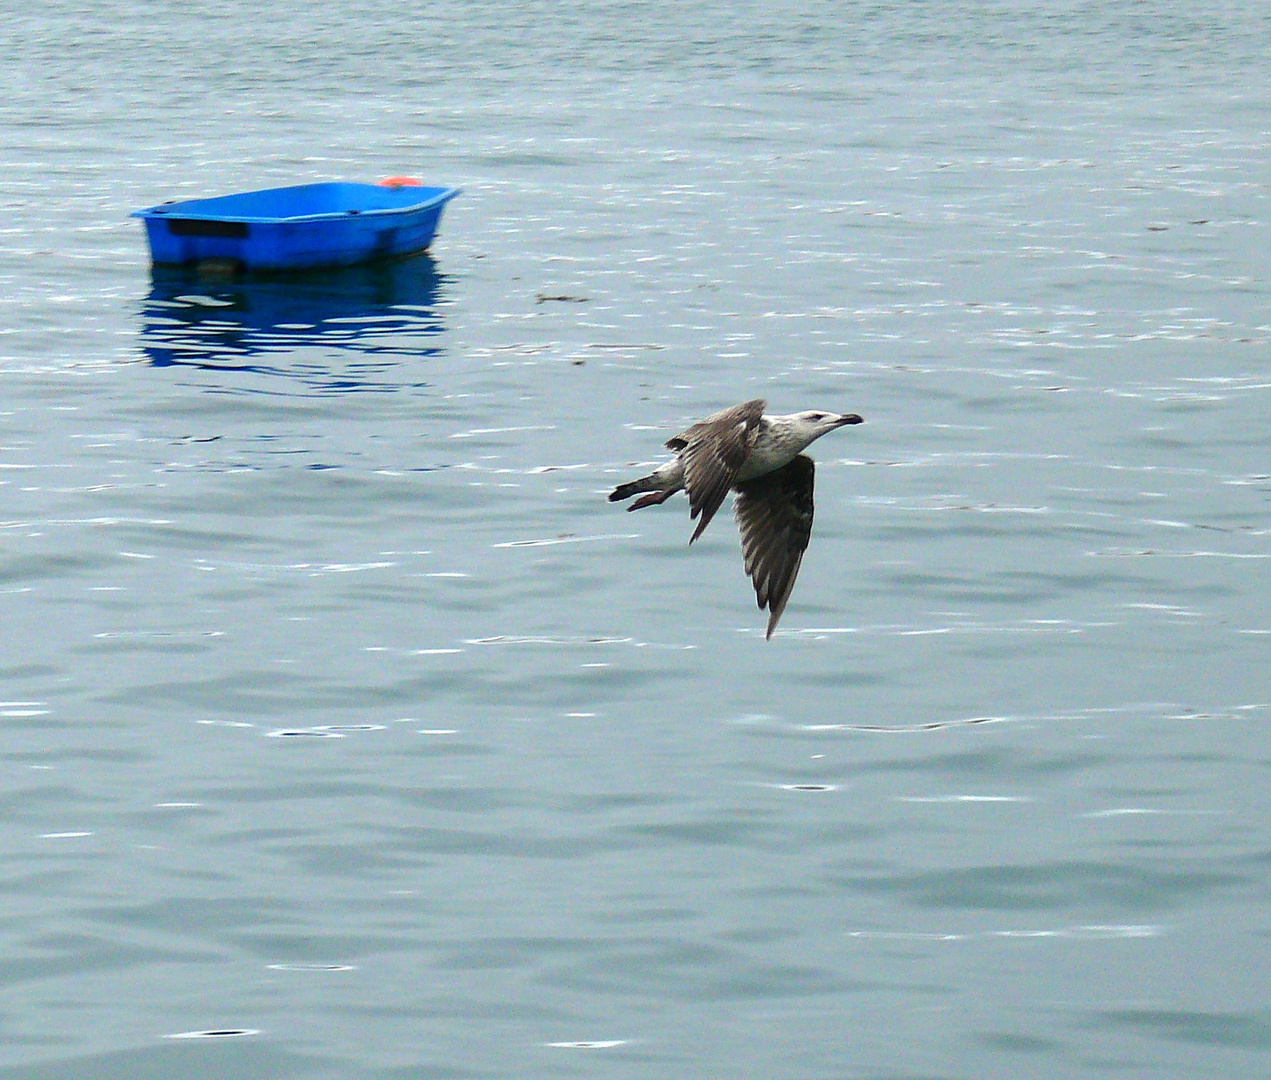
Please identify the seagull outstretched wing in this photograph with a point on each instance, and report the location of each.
(713, 451)
(774, 514)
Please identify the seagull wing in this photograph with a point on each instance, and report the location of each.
(713, 451)
(774, 514)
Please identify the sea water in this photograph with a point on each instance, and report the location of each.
(348, 731)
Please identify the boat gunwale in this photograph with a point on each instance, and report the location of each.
(172, 210)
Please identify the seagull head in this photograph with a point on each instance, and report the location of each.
(815, 424)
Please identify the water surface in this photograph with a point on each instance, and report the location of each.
(349, 731)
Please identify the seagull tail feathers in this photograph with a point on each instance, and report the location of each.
(625, 491)
(657, 492)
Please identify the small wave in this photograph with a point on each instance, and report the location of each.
(963, 798)
(1086, 932)
(905, 729)
(321, 731)
(537, 639)
(552, 542)
(18, 709)
(1145, 811)
(472, 433)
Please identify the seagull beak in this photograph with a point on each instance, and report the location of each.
(848, 418)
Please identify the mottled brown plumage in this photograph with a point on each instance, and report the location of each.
(714, 451)
(760, 457)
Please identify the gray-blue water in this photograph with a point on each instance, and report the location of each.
(340, 710)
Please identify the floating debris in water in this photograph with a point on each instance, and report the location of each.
(311, 967)
(604, 1044)
(803, 787)
(215, 1033)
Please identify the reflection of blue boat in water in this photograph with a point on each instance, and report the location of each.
(355, 328)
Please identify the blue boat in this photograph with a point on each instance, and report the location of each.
(291, 228)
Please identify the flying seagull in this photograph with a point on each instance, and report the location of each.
(761, 458)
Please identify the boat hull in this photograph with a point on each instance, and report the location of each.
(300, 227)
